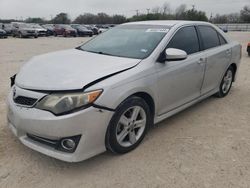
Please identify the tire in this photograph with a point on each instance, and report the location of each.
(35, 36)
(90, 35)
(249, 54)
(20, 35)
(124, 137)
(226, 83)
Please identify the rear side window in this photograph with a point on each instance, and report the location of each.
(185, 39)
(222, 40)
(209, 37)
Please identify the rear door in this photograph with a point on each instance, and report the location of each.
(218, 55)
(180, 82)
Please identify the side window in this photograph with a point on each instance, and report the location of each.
(209, 37)
(185, 39)
(222, 39)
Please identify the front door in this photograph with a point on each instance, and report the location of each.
(180, 82)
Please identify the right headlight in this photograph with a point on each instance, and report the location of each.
(63, 103)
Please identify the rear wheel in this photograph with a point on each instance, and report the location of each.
(226, 83)
(128, 125)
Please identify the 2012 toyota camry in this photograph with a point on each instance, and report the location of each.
(106, 94)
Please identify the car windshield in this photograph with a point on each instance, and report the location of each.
(132, 41)
(48, 27)
(80, 27)
(25, 26)
(37, 26)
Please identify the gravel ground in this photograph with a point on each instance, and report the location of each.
(207, 145)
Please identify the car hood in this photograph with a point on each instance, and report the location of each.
(69, 70)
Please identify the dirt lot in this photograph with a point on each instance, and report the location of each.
(207, 145)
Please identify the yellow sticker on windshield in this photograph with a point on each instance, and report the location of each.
(157, 30)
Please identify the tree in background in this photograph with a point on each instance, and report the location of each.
(86, 18)
(61, 18)
(157, 13)
(100, 18)
(165, 13)
(245, 14)
(118, 19)
(195, 15)
(35, 20)
(180, 12)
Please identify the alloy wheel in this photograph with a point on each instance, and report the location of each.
(131, 126)
(227, 81)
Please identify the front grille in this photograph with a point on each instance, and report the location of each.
(27, 101)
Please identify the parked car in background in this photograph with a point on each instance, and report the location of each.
(39, 30)
(107, 93)
(3, 34)
(102, 28)
(23, 30)
(8, 28)
(82, 30)
(248, 49)
(224, 29)
(64, 30)
(93, 28)
(50, 29)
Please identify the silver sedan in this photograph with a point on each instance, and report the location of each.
(107, 93)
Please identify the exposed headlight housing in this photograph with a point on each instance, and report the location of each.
(64, 103)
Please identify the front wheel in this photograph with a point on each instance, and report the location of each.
(128, 125)
(226, 83)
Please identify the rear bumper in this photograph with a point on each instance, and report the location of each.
(90, 123)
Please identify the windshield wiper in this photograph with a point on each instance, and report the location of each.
(98, 52)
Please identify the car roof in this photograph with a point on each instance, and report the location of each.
(169, 23)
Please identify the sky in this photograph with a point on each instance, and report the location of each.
(22, 9)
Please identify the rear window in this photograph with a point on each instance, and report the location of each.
(209, 37)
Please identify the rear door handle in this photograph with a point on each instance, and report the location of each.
(201, 61)
(228, 52)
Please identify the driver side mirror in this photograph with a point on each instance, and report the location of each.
(172, 54)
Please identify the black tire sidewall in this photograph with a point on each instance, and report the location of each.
(221, 93)
(111, 140)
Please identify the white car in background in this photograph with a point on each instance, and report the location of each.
(102, 29)
(39, 30)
